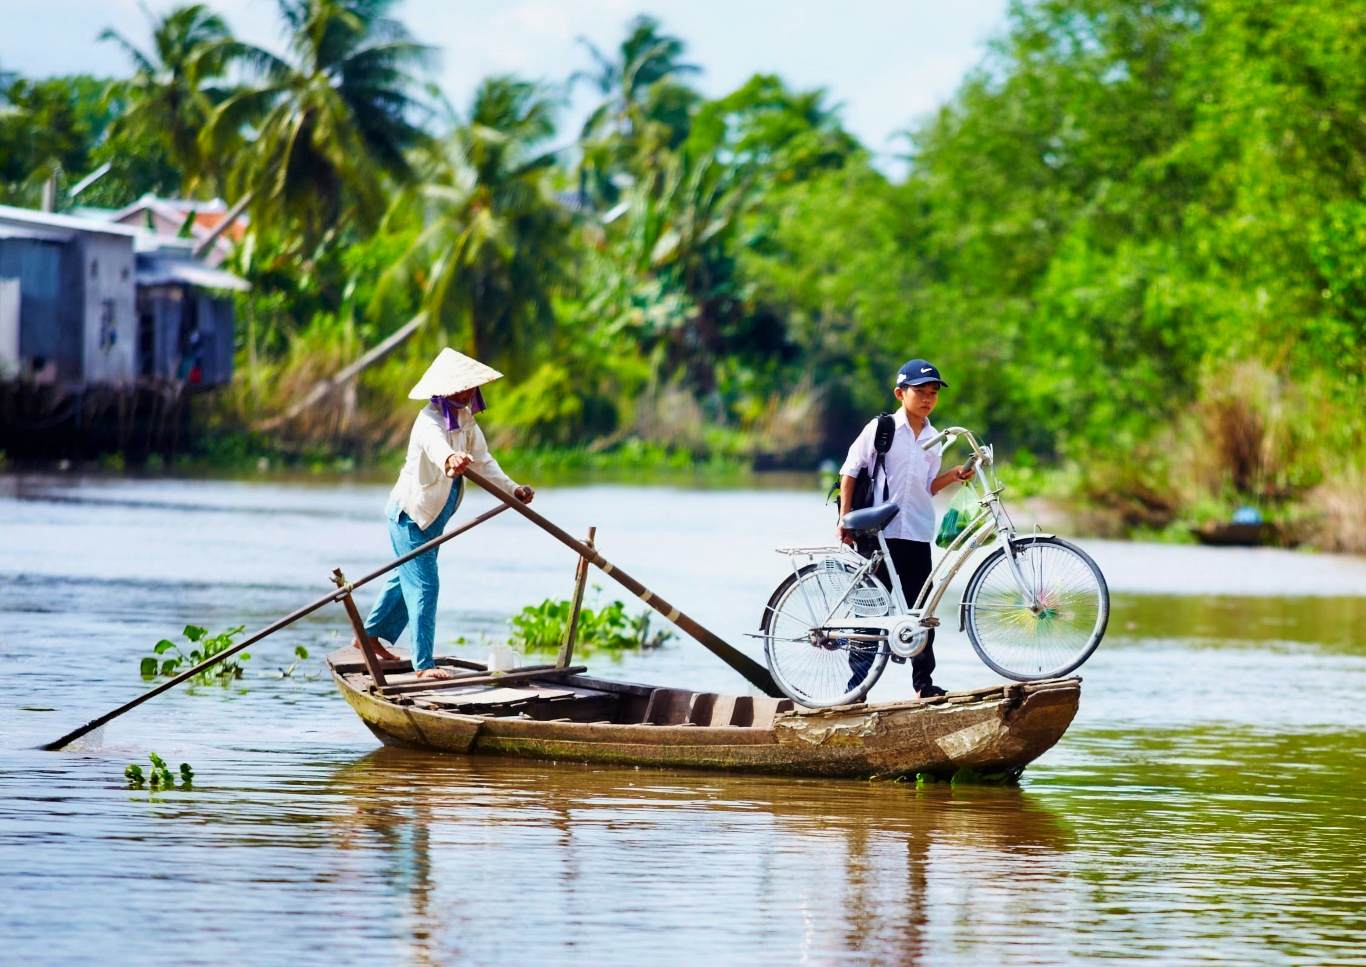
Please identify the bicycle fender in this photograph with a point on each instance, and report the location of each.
(1026, 539)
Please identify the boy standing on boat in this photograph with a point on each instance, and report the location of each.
(912, 476)
(445, 441)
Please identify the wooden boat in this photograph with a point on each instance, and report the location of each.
(564, 714)
(1261, 534)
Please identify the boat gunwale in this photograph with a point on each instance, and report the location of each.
(1013, 693)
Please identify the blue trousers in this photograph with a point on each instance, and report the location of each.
(410, 591)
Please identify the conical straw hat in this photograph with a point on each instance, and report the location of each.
(452, 372)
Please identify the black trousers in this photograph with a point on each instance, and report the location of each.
(912, 560)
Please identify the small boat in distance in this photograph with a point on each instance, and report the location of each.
(543, 712)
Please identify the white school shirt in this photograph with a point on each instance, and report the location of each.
(423, 486)
(909, 473)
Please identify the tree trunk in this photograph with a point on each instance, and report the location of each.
(325, 387)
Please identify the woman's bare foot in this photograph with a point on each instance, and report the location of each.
(433, 673)
(384, 653)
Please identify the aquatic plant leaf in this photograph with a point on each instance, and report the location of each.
(168, 666)
(163, 646)
(148, 668)
(194, 632)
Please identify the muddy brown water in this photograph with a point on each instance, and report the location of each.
(1206, 803)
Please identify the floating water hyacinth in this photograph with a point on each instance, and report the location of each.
(160, 776)
(168, 658)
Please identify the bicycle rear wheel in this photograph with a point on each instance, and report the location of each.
(816, 670)
(1024, 644)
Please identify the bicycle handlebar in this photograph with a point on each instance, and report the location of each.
(957, 431)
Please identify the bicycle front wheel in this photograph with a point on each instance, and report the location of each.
(1027, 643)
(812, 668)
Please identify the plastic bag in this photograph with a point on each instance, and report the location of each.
(956, 519)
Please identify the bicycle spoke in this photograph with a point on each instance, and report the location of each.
(826, 670)
(1030, 642)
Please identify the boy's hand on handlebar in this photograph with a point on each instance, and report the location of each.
(966, 472)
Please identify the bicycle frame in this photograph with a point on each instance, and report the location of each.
(991, 521)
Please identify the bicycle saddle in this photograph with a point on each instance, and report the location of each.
(871, 519)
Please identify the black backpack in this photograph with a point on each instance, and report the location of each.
(863, 484)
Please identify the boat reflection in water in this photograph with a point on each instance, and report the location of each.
(726, 867)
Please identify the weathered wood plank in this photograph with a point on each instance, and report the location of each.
(544, 673)
(668, 706)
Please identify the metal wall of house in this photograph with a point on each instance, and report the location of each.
(159, 310)
(176, 314)
(216, 323)
(110, 318)
(49, 319)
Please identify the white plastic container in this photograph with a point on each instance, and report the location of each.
(502, 658)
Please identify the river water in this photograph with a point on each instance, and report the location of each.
(1205, 805)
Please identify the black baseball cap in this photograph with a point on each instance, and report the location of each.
(917, 372)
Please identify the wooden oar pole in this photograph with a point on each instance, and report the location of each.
(572, 629)
(749, 669)
(344, 594)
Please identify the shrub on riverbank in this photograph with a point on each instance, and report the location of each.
(1248, 439)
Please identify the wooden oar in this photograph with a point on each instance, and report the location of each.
(749, 669)
(289, 619)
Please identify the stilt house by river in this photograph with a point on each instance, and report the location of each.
(104, 332)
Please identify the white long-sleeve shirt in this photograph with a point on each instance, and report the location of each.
(423, 486)
(910, 471)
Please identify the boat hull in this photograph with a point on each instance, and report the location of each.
(992, 733)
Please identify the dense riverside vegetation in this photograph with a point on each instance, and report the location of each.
(1133, 241)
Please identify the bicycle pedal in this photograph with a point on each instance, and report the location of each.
(929, 622)
(898, 659)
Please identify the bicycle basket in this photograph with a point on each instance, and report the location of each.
(868, 600)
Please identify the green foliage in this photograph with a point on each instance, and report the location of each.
(542, 627)
(160, 777)
(331, 117)
(487, 241)
(300, 654)
(174, 89)
(168, 657)
(47, 128)
(1131, 223)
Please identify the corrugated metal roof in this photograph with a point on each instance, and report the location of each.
(27, 216)
(157, 271)
(36, 234)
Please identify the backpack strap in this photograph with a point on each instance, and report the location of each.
(882, 442)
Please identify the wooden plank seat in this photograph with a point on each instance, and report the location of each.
(668, 706)
(413, 684)
(676, 706)
(538, 702)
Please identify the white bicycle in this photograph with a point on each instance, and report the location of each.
(1035, 608)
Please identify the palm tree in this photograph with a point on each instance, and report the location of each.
(493, 242)
(170, 95)
(683, 235)
(643, 111)
(764, 126)
(330, 118)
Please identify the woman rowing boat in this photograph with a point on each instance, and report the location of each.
(445, 440)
